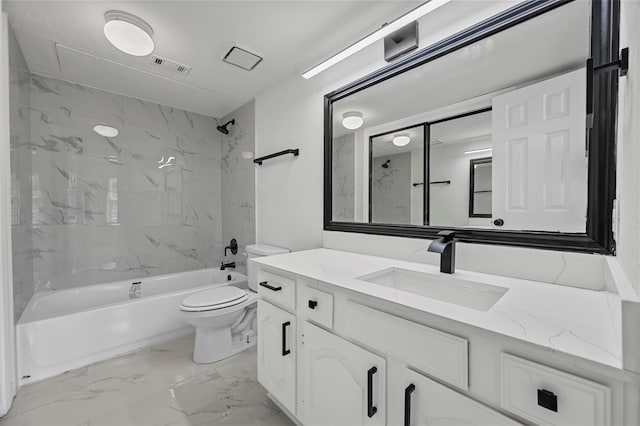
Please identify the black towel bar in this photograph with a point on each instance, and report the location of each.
(295, 153)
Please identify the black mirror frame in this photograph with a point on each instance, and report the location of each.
(598, 238)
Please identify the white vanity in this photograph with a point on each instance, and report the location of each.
(350, 339)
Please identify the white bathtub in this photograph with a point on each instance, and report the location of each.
(66, 329)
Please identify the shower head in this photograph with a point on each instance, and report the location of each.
(386, 164)
(223, 129)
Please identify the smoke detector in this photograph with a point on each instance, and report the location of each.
(242, 58)
(170, 65)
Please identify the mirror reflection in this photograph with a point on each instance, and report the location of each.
(483, 141)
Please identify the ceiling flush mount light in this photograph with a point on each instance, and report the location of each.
(401, 139)
(128, 33)
(106, 131)
(476, 151)
(392, 27)
(352, 120)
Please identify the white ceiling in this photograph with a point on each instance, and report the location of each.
(65, 40)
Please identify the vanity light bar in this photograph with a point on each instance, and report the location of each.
(475, 151)
(392, 27)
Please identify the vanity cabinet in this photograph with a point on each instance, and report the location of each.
(344, 384)
(277, 353)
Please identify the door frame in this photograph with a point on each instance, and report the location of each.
(7, 326)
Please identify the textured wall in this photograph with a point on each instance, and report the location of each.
(344, 176)
(23, 286)
(238, 183)
(146, 202)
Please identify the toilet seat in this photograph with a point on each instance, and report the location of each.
(214, 299)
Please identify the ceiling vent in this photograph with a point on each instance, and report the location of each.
(170, 65)
(242, 58)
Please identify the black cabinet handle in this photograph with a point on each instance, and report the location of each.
(285, 351)
(407, 404)
(371, 410)
(266, 285)
(498, 222)
(548, 400)
(313, 304)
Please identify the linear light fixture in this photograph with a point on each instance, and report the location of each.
(476, 151)
(392, 27)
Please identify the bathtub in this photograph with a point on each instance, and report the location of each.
(66, 329)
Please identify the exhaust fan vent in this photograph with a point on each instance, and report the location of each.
(170, 65)
(242, 58)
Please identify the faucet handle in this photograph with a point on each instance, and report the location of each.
(447, 235)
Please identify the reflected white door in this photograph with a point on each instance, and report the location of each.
(539, 160)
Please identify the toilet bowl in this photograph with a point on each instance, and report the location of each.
(225, 317)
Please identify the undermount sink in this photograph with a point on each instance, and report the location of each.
(446, 288)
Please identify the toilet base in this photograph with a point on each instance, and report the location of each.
(217, 344)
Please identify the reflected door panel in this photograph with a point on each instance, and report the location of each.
(540, 166)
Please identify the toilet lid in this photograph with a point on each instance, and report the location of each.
(227, 296)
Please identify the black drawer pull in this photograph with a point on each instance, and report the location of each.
(285, 351)
(548, 400)
(313, 304)
(371, 409)
(407, 404)
(266, 285)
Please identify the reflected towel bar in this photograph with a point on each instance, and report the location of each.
(445, 182)
(295, 153)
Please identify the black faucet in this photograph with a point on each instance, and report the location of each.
(446, 246)
(224, 266)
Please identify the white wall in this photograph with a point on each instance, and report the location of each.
(628, 197)
(289, 192)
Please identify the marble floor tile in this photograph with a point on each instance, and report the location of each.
(159, 385)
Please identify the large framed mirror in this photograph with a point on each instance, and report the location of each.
(474, 135)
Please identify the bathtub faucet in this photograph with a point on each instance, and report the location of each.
(135, 290)
(224, 266)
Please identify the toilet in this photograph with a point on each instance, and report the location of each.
(225, 317)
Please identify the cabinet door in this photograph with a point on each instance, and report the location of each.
(428, 403)
(344, 384)
(277, 353)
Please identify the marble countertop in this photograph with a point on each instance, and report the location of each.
(578, 322)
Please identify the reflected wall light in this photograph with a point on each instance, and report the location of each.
(352, 120)
(106, 131)
(476, 151)
(401, 139)
(128, 33)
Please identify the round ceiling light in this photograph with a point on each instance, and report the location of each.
(401, 139)
(352, 120)
(106, 131)
(128, 33)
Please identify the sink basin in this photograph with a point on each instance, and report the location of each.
(444, 287)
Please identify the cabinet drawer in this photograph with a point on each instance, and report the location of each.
(277, 289)
(548, 396)
(434, 352)
(318, 306)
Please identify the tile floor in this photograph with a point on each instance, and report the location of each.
(159, 385)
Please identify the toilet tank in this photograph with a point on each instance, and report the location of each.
(259, 250)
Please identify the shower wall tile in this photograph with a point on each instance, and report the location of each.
(22, 249)
(146, 202)
(238, 183)
(344, 173)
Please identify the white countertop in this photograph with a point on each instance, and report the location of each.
(578, 322)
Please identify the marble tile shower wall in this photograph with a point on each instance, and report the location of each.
(19, 123)
(146, 202)
(238, 183)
